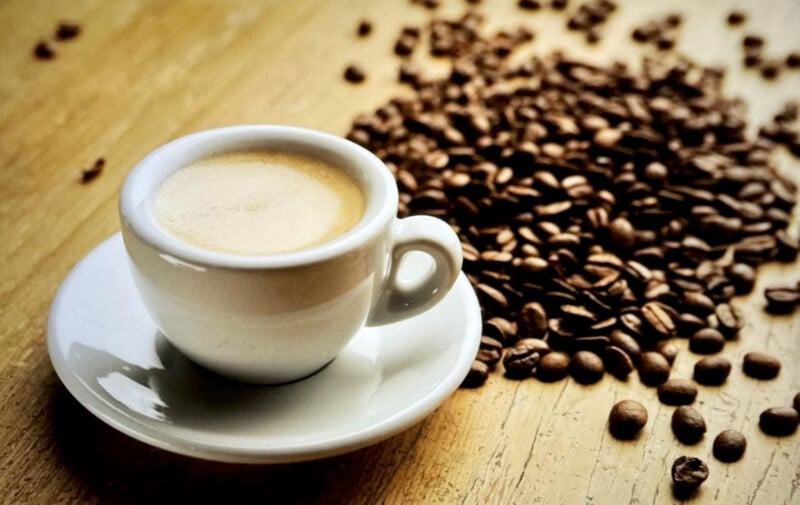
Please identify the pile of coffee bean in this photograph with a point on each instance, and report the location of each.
(662, 32)
(595, 205)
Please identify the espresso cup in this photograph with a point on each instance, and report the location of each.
(277, 318)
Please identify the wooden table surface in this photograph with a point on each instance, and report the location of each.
(146, 71)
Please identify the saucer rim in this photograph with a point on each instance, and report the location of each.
(382, 429)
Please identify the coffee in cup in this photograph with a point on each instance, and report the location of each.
(259, 202)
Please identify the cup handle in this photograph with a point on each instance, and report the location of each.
(400, 300)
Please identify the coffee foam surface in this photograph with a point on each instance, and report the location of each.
(258, 203)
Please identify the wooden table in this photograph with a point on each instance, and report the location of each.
(147, 71)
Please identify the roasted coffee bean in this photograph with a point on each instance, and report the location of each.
(687, 475)
(627, 343)
(532, 321)
(490, 351)
(659, 319)
(553, 367)
(770, 69)
(729, 446)
(44, 50)
(730, 320)
(67, 30)
(779, 421)
(521, 360)
(707, 341)
(781, 300)
(712, 370)
(91, 173)
(688, 425)
(586, 367)
(788, 247)
(477, 375)
(627, 418)
(793, 60)
(617, 362)
(761, 366)
(653, 369)
(354, 74)
(743, 277)
(677, 392)
(668, 350)
(501, 330)
(533, 5)
(736, 18)
(797, 402)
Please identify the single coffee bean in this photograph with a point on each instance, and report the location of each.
(627, 343)
(729, 446)
(743, 277)
(736, 18)
(797, 402)
(653, 369)
(688, 425)
(707, 341)
(477, 375)
(668, 350)
(677, 392)
(617, 362)
(44, 50)
(532, 321)
(553, 367)
(712, 370)
(354, 74)
(521, 360)
(761, 366)
(781, 300)
(626, 419)
(67, 31)
(687, 475)
(364, 28)
(658, 318)
(730, 320)
(779, 421)
(586, 367)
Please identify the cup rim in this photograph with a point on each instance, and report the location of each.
(379, 186)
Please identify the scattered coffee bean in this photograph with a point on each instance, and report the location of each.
(761, 366)
(668, 350)
(750, 41)
(406, 42)
(553, 367)
(688, 425)
(354, 74)
(781, 300)
(617, 362)
(586, 367)
(44, 50)
(793, 60)
(707, 341)
(736, 18)
(477, 375)
(532, 5)
(770, 69)
(729, 446)
(712, 370)
(779, 421)
(364, 28)
(677, 392)
(67, 30)
(626, 419)
(559, 5)
(653, 369)
(687, 475)
(91, 173)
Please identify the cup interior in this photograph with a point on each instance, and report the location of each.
(375, 180)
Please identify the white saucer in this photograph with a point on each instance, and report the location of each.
(110, 356)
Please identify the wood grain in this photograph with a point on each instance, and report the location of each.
(147, 71)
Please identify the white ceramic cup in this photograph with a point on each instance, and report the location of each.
(278, 318)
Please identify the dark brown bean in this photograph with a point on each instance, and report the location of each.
(532, 321)
(707, 341)
(781, 300)
(677, 392)
(586, 367)
(627, 418)
(761, 366)
(477, 375)
(91, 173)
(553, 367)
(687, 475)
(797, 402)
(779, 421)
(729, 446)
(712, 370)
(627, 343)
(521, 360)
(653, 369)
(617, 362)
(688, 425)
(67, 30)
(736, 18)
(354, 74)
(668, 350)
(44, 50)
